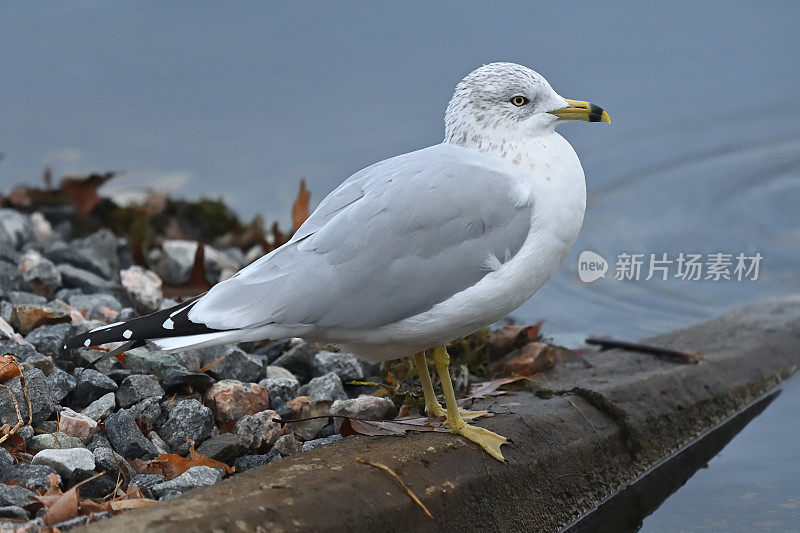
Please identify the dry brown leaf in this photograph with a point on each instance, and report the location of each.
(533, 358)
(489, 388)
(124, 505)
(353, 426)
(300, 206)
(508, 338)
(171, 465)
(8, 368)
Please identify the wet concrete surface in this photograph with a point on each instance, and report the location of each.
(579, 436)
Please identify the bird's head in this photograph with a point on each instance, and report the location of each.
(509, 101)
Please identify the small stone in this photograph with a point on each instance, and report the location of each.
(49, 339)
(158, 442)
(34, 477)
(288, 445)
(191, 360)
(42, 362)
(182, 379)
(188, 420)
(231, 400)
(305, 408)
(311, 444)
(225, 447)
(101, 407)
(65, 462)
(169, 495)
(148, 411)
(278, 372)
(28, 317)
(15, 228)
(197, 476)
(235, 365)
(143, 287)
(258, 431)
(272, 351)
(173, 261)
(99, 440)
(38, 394)
(344, 365)
(77, 425)
(143, 360)
(24, 298)
(96, 252)
(98, 306)
(27, 433)
(138, 387)
(147, 481)
(6, 459)
(10, 337)
(99, 487)
(286, 412)
(104, 460)
(90, 386)
(41, 228)
(73, 277)
(286, 388)
(39, 273)
(125, 436)
(327, 388)
(14, 512)
(53, 441)
(15, 495)
(10, 278)
(248, 462)
(364, 407)
(297, 360)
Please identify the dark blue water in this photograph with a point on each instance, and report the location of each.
(240, 101)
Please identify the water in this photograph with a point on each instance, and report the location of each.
(240, 101)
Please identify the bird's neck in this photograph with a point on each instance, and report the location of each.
(508, 144)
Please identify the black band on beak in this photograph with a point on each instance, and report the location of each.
(595, 113)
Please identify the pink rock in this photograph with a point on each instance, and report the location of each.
(77, 425)
(231, 400)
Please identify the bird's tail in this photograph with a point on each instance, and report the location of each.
(168, 329)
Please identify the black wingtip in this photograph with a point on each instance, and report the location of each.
(172, 322)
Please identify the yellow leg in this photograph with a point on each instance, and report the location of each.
(484, 438)
(432, 405)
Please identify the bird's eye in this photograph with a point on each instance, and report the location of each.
(519, 101)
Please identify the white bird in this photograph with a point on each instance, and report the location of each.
(415, 251)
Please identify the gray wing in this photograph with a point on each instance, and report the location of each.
(391, 242)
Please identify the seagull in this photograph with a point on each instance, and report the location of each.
(414, 251)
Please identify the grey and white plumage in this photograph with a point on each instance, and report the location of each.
(413, 251)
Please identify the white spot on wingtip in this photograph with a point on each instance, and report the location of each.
(87, 342)
(127, 333)
(168, 324)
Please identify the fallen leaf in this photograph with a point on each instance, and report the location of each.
(300, 206)
(61, 506)
(504, 340)
(171, 465)
(123, 505)
(489, 388)
(8, 368)
(354, 426)
(533, 358)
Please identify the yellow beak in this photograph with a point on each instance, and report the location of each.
(579, 110)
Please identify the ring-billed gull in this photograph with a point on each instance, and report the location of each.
(414, 251)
